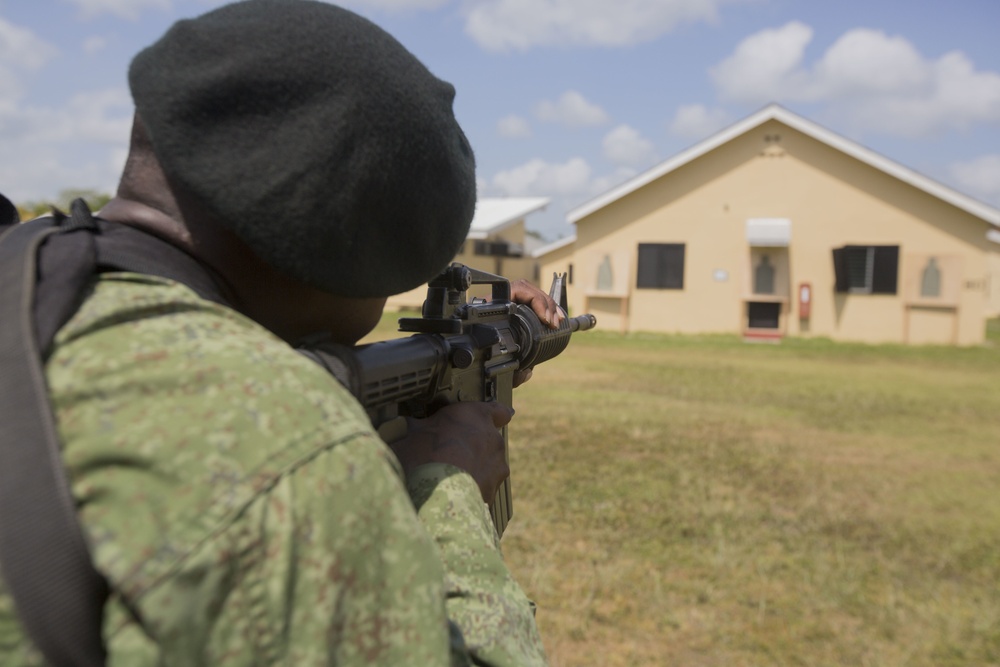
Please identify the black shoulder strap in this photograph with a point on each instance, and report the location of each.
(88, 245)
(45, 268)
(8, 214)
(43, 553)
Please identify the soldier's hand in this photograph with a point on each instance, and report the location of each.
(548, 311)
(465, 435)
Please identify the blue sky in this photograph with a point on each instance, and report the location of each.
(563, 98)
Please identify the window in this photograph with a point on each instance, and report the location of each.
(661, 266)
(763, 315)
(866, 269)
(497, 249)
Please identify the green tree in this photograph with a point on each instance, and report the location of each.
(95, 199)
(32, 209)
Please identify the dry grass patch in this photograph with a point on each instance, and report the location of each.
(701, 501)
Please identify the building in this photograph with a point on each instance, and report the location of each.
(776, 227)
(498, 242)
(993, 284)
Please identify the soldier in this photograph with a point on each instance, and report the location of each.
(234, 496)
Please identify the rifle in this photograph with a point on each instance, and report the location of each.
(461, 350)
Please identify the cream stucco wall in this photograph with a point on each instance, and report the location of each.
(831, 199)
(993, 281)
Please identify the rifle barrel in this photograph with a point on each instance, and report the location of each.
(582, 322)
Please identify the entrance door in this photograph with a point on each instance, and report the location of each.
(763, 315)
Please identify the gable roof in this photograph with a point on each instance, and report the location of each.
(811, 129)
(493, 214)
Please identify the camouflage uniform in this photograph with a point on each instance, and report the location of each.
(245, 513)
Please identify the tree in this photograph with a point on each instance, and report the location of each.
(95, 200)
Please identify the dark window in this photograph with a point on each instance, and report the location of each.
(570, 277)
(866, 269)
(763, 315)
(661, 266)
(496, 249)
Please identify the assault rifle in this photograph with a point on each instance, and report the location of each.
(461, 350)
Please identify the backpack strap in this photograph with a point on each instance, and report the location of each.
(68, 260)
(8, 214)
(43, 552)
(124, 248)
(46, 268)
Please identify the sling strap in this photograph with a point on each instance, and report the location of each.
(46, 269)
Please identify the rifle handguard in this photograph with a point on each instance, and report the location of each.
(460, 351)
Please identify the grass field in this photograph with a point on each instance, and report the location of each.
(703, 501)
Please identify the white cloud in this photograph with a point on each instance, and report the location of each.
(56, 145)
(391, 5)
(979, 177)
(602, 184)
(539, 177)
(513, 127)
(696, 121)
(10, 88)
(567, 184)
(50, 171)
(870, 80)
(865, 62)
(765, 65)
(132, 9)
(503, 25)
(94, 44)
(625, 146)
(126, 9)
(103, 116)
(21, 50)
(571, 109)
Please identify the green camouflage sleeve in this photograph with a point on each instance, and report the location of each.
(15, 649)
(495, 617)
(235, 495)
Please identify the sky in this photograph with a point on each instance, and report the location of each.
(562, 98)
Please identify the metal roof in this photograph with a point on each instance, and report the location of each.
(493, 214)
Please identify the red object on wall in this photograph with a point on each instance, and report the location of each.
(805, 300)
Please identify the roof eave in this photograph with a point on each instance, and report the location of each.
(499, 226)
(775, 112)
(552, 247)
(677, 161)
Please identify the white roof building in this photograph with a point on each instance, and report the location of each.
(493, 214)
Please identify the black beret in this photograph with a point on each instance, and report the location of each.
(316, 137)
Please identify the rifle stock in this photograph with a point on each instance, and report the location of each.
(461, 350)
